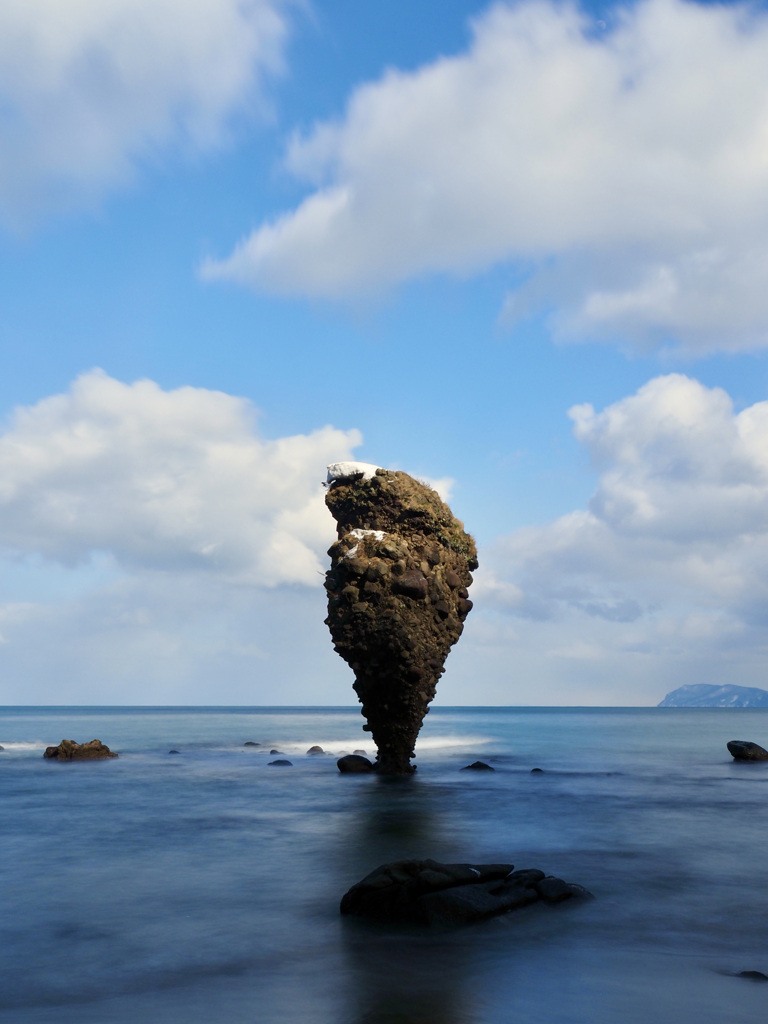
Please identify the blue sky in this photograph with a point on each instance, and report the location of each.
(517, 249)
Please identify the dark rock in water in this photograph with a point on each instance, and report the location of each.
(275, 751)
(315, 750)
(397, 597)
(173, 751)
(288, 764)
(68, 750)
(753, 975)
(250, 743)
(708, 695)
(427, 892)
(478, 766)
(362, 753)
(537, 771)
(2, 748)
(743, 750)
(354, 763)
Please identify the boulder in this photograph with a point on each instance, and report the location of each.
(315, 750)
(744, 750)
(250, 743)
(478, 766)
(753, 975)
(354, 764)
(427, 892)
(69, 750)
(281, 763)
(397, 598)
(173, 751)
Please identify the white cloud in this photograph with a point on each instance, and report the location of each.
(625, 170)
(166, 480)
(89, 89)
(664, 578)
(155, 549)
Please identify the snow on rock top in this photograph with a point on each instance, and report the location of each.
(343, 470)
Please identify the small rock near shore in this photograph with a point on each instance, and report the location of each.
(282, 762)
(753, 975)
(354, 764)
(250, 743)
(69, 750)
(174, 751)
(744, 750)
(315, 750)
(477, 766)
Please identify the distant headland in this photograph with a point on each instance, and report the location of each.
(708, 695)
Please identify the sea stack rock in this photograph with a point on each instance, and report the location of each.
(397, 597)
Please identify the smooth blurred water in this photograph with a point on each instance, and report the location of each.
(205, 886)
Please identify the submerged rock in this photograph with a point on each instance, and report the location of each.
(250, 743)
(69, 750)
(753, 975)
(744, 750)
(397, 597)
(478, 766)
(315, 750)
(354, 764)
(428, 892)
(281, 763)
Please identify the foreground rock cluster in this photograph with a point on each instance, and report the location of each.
(427, 892)
(68, 750)
(397, 597)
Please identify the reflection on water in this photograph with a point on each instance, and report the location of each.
(397, 977)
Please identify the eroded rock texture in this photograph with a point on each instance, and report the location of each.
(397, 597)
(69, 750)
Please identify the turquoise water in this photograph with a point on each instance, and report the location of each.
(204, 886)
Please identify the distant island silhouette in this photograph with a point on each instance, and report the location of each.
(708, 695)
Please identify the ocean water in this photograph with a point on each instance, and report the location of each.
(204, 886)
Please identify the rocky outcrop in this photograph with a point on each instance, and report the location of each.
(354, 764)
(397, 597)
(68, 750)
(478, 766)
(427, 892)
(744, 750)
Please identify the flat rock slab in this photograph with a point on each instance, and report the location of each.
(69, 750)
(744, 750)
(427, 892)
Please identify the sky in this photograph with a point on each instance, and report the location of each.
(517, 249)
